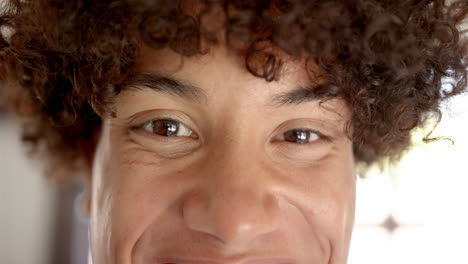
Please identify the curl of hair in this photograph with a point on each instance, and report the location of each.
(61, 62)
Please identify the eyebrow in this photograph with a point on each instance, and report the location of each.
(173, 86)
(305, 94)
(165, 84)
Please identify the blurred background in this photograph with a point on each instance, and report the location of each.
(415, 212)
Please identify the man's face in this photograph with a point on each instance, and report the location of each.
(205, 163)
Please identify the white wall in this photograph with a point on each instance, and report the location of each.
(27, 203)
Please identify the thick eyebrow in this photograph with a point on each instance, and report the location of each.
(172, 86)
(164, 84)
(305, 94)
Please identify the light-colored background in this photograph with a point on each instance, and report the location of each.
(39, 222)
(426, 198)
(416, 212)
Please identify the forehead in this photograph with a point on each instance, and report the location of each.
(216, 70)
(222, 76)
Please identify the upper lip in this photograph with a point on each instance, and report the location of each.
(226, 261)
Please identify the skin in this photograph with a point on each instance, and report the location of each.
(236, 190)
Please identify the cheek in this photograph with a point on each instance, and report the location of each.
(143, 190)
(336, 193)
(128, 194)
(137, 185)
(319, 207)
(334, 206)
(325, 196)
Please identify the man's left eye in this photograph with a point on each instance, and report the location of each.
(301, 136)
(167, 128)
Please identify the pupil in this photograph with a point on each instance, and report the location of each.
(165, 127)
(302, 136)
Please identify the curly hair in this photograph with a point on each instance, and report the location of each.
(61, 62)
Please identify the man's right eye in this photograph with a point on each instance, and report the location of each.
(167, 128)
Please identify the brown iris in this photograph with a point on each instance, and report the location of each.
(165, 127)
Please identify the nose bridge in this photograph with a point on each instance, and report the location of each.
(235, 173)
(233, 202)
(234, 162)
(233, 159)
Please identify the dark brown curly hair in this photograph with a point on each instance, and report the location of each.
(61, 62)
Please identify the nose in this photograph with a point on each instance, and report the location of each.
(233, 202)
